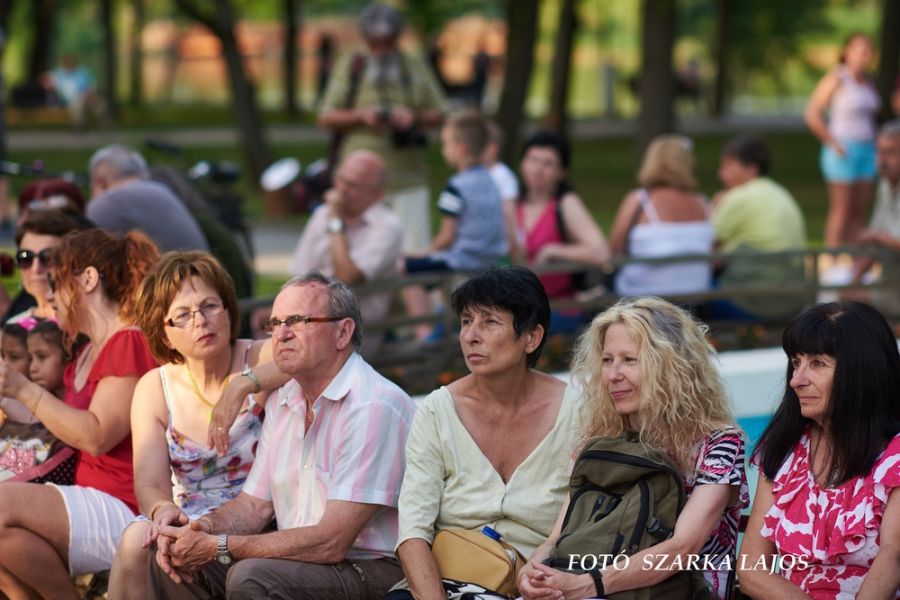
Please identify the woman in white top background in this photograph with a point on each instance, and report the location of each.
(847, 158)
(664, 217)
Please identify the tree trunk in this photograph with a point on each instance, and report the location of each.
(657, 81)
(109, 57)
(522, 16)
(136, 52)
(722, 83)
(290, 57)
(5, 10)
(249, 120)
(890, 54)
(558, 116)
(43, 13)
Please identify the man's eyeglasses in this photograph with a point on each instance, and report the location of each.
(185, 318)
(293, 322)
(25, 258)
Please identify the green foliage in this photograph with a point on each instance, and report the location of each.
(429, 16)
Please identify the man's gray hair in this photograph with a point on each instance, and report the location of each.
(342, 300)
(891, 128)
(118, 162)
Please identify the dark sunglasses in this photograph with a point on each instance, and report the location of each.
(25, 258)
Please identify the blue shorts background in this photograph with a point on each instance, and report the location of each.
(856, 165)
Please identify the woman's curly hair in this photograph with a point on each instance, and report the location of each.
(682, 394)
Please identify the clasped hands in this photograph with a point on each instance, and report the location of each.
(537, 581)
(184, 548)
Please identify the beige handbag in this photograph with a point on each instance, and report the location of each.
(474, 556)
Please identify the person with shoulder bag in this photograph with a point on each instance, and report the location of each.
(657, 490)
(487, 455)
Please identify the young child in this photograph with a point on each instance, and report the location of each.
(472, 235)
(48, 357)
(28, 451)
(507, 185)
(14, 351)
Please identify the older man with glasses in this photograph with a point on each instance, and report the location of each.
(328, 469)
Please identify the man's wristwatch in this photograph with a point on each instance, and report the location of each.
(223, 556)
(335, 225)
(249, 374)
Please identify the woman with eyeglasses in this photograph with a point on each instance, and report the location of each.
(189, 313)
(37, 237)
(50, 532)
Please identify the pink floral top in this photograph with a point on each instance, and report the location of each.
(834, 530)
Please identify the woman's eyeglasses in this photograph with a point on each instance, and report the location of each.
(25, 258)
(185, 318)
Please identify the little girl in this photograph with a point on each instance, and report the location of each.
(28, 451)
(14, 351)
(48, 357)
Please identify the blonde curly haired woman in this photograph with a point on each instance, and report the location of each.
(644, 366)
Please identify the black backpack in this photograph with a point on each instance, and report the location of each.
(624, 497)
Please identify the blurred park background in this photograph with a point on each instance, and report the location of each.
(239, 79)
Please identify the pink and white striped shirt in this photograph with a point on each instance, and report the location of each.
(354, 451)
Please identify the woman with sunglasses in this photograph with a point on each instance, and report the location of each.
(188, 310)
(49, 532)
(37, 237)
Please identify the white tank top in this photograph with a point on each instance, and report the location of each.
(853, 108)
(657, 239)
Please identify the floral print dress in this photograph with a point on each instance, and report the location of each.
(835, 530)
(203, 479)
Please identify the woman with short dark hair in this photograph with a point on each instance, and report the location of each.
(36, 238)
(827, 503)
(492, 448)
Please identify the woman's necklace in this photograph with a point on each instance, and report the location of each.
(199, 394)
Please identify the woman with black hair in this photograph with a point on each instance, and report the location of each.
(827, 509)
(553, 223)
(494, 447)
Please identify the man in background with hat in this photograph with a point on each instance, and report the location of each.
(383, 100)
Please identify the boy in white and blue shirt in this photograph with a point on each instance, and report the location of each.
(472, 235)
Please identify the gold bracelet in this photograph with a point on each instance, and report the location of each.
(208, 522)
(157, 505)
